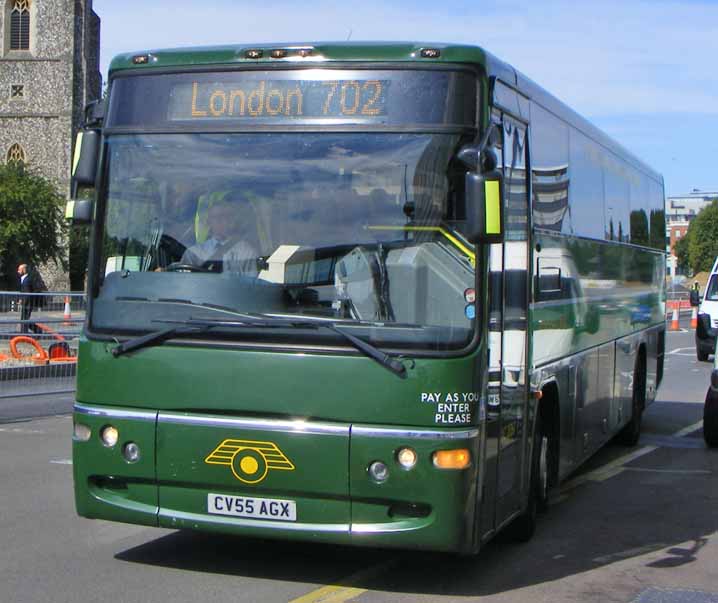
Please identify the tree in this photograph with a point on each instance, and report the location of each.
(31, 221)
(703, 239)
(680, 249)
(79, 254)
(639, 227)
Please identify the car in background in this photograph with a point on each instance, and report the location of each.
(707, 327)
(710, 409)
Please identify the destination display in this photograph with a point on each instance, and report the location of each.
(279, 99)
(313, 97)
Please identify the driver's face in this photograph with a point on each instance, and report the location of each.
(221, 221)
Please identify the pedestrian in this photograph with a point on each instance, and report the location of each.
(695, 295)
(27, 302)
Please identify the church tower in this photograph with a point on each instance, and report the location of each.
(49, 71)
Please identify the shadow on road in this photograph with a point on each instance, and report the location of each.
(631, 514)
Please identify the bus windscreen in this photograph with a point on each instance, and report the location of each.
(306, 97)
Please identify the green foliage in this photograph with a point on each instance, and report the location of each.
(680, 249)
(79, 255)
(31, 220)
(703, 239)
(639, 227)
(658, 229)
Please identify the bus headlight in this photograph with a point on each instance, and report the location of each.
(406, 457)
(109, 436)
(82, 432)
(131, 452)
(378, 471)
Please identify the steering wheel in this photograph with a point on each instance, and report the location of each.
(180, 267)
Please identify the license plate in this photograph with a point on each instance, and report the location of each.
(253, 508)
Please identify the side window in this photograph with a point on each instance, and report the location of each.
(639, 209)
(617, 195)
(549, 171)
(657, 218)
(586, 194)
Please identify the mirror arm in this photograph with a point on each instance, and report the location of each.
(473, 156)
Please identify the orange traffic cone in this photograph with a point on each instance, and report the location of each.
(674, 320)
(67, 315)
(694, 318)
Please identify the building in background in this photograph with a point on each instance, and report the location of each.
(49, 71)
(680, 212)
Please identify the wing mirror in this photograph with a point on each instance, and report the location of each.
(484, 209)
(482, 186)
(84, 174)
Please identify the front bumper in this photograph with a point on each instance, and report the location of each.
(423, 508)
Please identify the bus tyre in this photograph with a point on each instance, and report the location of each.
(630, 434)
(701, 355)
(710, 419)
(523, 527)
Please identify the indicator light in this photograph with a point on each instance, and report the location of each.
(406, 457)
(459, 458)
(430, 53)
(141, 59)
(304, 52)
(470, 296)
(378, 471)
(109, 436)
(82, 432)
(255, 53)
(279, 53)
(470, 311)
(131, 452)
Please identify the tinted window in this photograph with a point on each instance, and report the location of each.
(586, 194)
(549, 170)
(617, 199)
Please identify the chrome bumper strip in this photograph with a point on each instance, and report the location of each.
(308, 427)
(416, 434)
(115, 413)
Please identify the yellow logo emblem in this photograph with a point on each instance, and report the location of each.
(250, 461)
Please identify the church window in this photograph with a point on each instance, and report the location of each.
(20, 25)
(17, 91)
(16, 155)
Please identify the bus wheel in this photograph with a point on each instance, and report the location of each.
(630, 434)
(524, 526)
(710, 419)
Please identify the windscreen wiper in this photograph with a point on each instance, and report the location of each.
(153, 338)
(258, 320)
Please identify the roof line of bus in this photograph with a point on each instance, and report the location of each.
(325, 53)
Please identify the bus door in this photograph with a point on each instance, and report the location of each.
(508, 351)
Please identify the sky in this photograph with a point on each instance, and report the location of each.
(644, 71)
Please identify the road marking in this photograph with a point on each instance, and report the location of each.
(649, 548)
(338, 594)
(21, 430)
(617, 466)
(679, 352)
(690, 429)
(61, 461)
(681, 471)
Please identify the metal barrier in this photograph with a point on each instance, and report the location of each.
(38, 355)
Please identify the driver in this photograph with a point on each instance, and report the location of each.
(226, 243)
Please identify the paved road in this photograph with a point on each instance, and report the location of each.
(636, 525)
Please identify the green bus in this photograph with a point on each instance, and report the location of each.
(378, 294)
